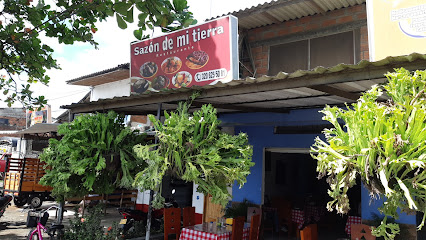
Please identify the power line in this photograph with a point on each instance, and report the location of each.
(75, 93)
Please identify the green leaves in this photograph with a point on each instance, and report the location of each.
(192, 148)
(120, 21)
(25, 55)
(383, 143)
(180, 5)
(95, 154)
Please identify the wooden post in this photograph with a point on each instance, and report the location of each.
(84, 205)
(105, 198)
(121, 198)
(151, 193)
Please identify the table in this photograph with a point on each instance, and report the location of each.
(210, 231)
(351, 220)
(310, 214)
(313, 213)
(298, 216)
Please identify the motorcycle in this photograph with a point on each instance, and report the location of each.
(4, 203)
(130, 216)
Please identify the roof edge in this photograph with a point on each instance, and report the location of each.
(124, 66)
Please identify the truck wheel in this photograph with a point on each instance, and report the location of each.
(19, 201)
(35, 201)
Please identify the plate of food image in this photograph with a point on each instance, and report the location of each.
(171, 65)
(160, 82)
(197, 59)
(182, 79)
(148, 69)
(139, 85)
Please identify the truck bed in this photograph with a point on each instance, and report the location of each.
(24, 175)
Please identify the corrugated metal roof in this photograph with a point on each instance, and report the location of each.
(284, 10)
(105, 76)
(301, 89)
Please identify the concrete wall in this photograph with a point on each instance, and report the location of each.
(109, 90)
(260, 130)
(369, 207)
(12, 119)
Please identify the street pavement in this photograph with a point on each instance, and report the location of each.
(13, 222)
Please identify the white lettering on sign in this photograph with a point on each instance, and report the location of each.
(210, 75)
(168, 43)
(147, 49)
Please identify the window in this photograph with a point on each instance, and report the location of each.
(4, 121)
(324, 51)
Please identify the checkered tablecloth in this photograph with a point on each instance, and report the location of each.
(351, 220)
(190, 234)
(298, 216)
(313, 213)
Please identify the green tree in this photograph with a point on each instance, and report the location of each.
(383, 143)
(24, 22)
(192, 148)
(95, 155)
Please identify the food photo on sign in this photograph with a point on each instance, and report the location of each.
(196, 56)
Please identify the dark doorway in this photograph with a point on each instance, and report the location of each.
(291, 179)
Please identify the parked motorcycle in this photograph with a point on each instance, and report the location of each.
(132, 215)
(4, 203)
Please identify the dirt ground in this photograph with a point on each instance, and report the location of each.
(13, 222)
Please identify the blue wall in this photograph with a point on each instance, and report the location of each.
(262, 136)
(371, 207)
(260, 130)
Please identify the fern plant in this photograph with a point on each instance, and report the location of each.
(192, 148)
(384, 144)
(95, 155)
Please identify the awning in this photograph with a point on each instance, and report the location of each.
(40, 128)
(284, 10)
(283, 92)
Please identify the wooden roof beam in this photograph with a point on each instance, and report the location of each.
(335, 91)
(239, 108)
(270, 17)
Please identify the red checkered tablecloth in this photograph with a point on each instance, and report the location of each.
(351, 220)
(298, 216)
(313, 213)
(193, 234)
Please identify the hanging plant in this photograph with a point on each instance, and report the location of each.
(95, 155)
(384, 144)
(192, 148)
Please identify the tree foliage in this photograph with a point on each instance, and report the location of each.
(191, 147)
(383, 143)
(24, 22)
(95, 155)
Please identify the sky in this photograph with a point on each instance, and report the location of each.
(82, 59)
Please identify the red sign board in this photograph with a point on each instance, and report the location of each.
(196, 56)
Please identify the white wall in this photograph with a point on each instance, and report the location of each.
(109, 90)
(197, 200)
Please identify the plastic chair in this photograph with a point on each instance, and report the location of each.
(237, 228)
(254, 227)
(188, 216)
(310, 232)
(171, 222)
(361, 231)
(284, 215)
(269, 221)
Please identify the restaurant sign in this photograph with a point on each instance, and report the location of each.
(196, 56)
